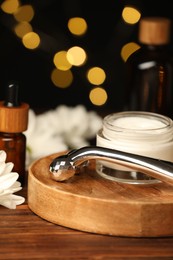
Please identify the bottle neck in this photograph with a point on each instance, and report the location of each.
(153, 47)
(11, 134)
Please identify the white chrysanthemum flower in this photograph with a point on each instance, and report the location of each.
(41, 137)
(60, 129)
(9, 184)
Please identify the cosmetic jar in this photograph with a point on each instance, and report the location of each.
(137, 132)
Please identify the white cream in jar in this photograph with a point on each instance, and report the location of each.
(143, 133)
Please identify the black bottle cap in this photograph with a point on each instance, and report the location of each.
(12, 95)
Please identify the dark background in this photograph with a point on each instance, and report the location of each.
(106, 35)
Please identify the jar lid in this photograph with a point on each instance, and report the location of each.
(154, 30)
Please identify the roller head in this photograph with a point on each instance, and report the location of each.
(62, 168)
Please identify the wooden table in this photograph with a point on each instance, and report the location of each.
(25, 235)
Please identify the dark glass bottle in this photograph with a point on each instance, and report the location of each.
(13, 122)
(150, 69)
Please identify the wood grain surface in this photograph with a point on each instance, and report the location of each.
(89, 203)
(24, 235)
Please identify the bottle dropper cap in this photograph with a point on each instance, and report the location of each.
(154, 30)
(12, 95)
(13, 114)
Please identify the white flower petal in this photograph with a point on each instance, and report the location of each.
(95, 124)
(7, 168)
(9, 191)
(7, 203)
(7, 180)
(3, 156)
(18, 199)
(11, 201)
(9, 184)
(2, 167)
(14, 188)
(31, 123)
(78, 115)
(60, 129)
(16, 185)
(77, 142)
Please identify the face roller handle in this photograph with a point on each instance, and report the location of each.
(65, 166)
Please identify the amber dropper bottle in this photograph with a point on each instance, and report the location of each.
(13, 122)
(150, 69)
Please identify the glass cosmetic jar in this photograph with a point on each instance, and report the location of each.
(144, 133)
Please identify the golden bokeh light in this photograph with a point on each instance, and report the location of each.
(96, 76)
(10, 6)
(22, 28)
(76, 56)
(128, 49)
(61, 79)
(24, 13)
(31, 40)
(60, 61)
(98, 96)
(131, 15)
(77, 26)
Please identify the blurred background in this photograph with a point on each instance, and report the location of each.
(71, 51)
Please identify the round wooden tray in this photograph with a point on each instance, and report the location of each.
(87, 202)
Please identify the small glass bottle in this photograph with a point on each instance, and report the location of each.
(150, 69)
(143, 133)
(14, 121)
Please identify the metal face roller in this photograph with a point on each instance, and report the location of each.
(65, 166)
